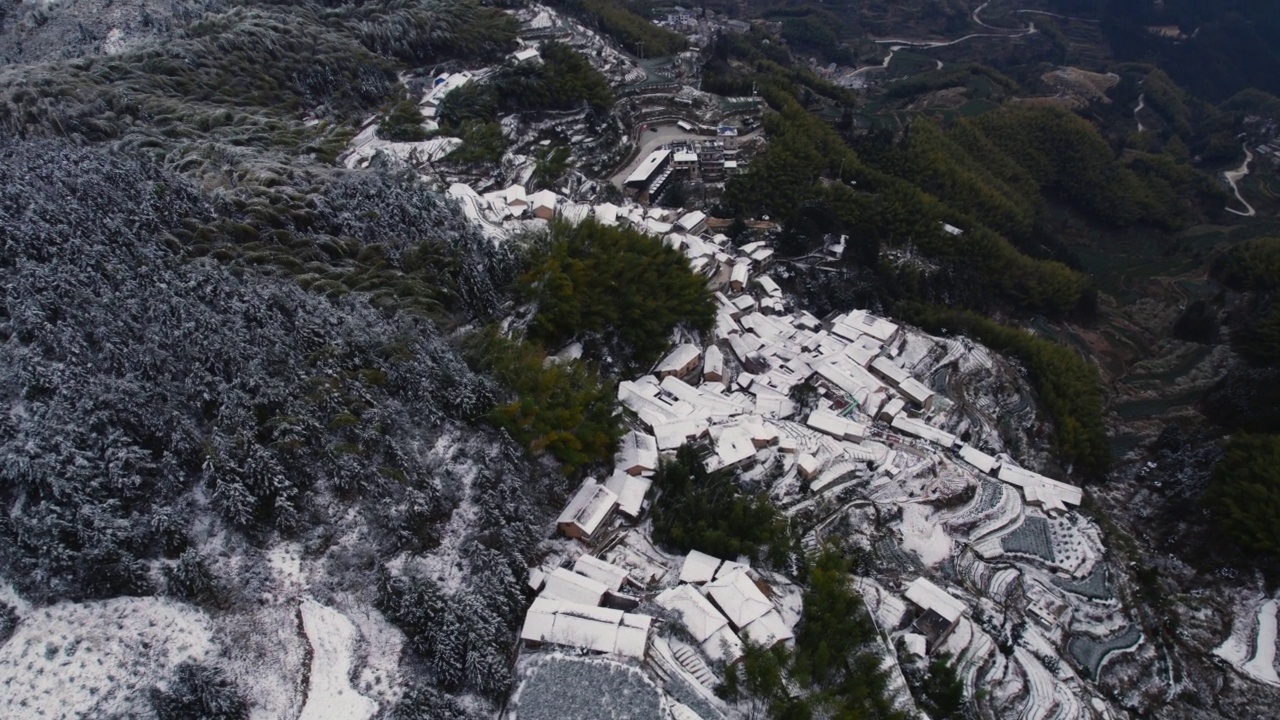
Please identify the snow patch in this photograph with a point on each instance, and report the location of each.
(923, 536)
(98, 659)
(331, 696)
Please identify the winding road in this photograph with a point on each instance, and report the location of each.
(1234, 177)
(896, 44)
(1142, 102)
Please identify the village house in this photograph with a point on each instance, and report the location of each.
(588, 511)
(939, 612)
(682, 361)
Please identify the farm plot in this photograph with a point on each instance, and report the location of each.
(564, 688)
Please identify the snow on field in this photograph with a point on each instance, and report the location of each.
(379, 676)
(98, 659)
(1262, 666)
(285, 561)
(922, 535)
(330, 695)
(265, 654)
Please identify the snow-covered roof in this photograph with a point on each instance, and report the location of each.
(630, 490)
(952, 229)
(741, 271)
(543, 199)
(525, 54)
(915, 390)
(637, 452)
(737, 597)
(575, 213)
(673, 434)
(863, 350)
(648, 167)
(724, 646)
(606, 214)
(868, 324)
(565, 585)
(975, 457)
(847, 375)
(608, 574)
(698, 567)
(769, 286)
(832, 424)
(713, 361)
(690, 221)
(733, 445)
(684, 156)
(699, 616)
(923, 430)
(677, 359)
(769, 629)
(808, 464)
(589, 507)
(1037, 488)
(931, 597)
(893, 407)
(890, 371)
(583, 626)
(657, 227)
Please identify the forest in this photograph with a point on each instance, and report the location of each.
(618, 291)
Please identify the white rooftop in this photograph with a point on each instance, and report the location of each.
(692, 220)
(589, 507)
(931, 597)
(923, 430)
(648, 166)
(590, 628)
(608, 574)
(769, 629)
(630, 490)
(565, 585)
(637, 453)
(698, 567)
(681, 356)
(738, 597)
(975, 457)
(699, 616)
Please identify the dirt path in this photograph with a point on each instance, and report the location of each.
(1233, 178)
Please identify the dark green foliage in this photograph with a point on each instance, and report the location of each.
(191, 579)
(1245, 496)
(427, 703)
(836, 657)
(937, 689)
(143, 376)
(8, 621)
(617, 290)
(632, 31)
(1067, 157)
(199, 692)
(403, 123)
(1067, 385)
(706, 511)
(791, 181)
(564, 80)
(482, 143)
(564, 409)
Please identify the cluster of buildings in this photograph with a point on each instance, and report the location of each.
(711, 160)
(718, 602)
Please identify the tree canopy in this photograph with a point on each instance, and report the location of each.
(619, 291)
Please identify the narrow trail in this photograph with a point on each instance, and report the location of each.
(896, 44)
(1056, 15)
(1142, 103)
(1233, 178)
